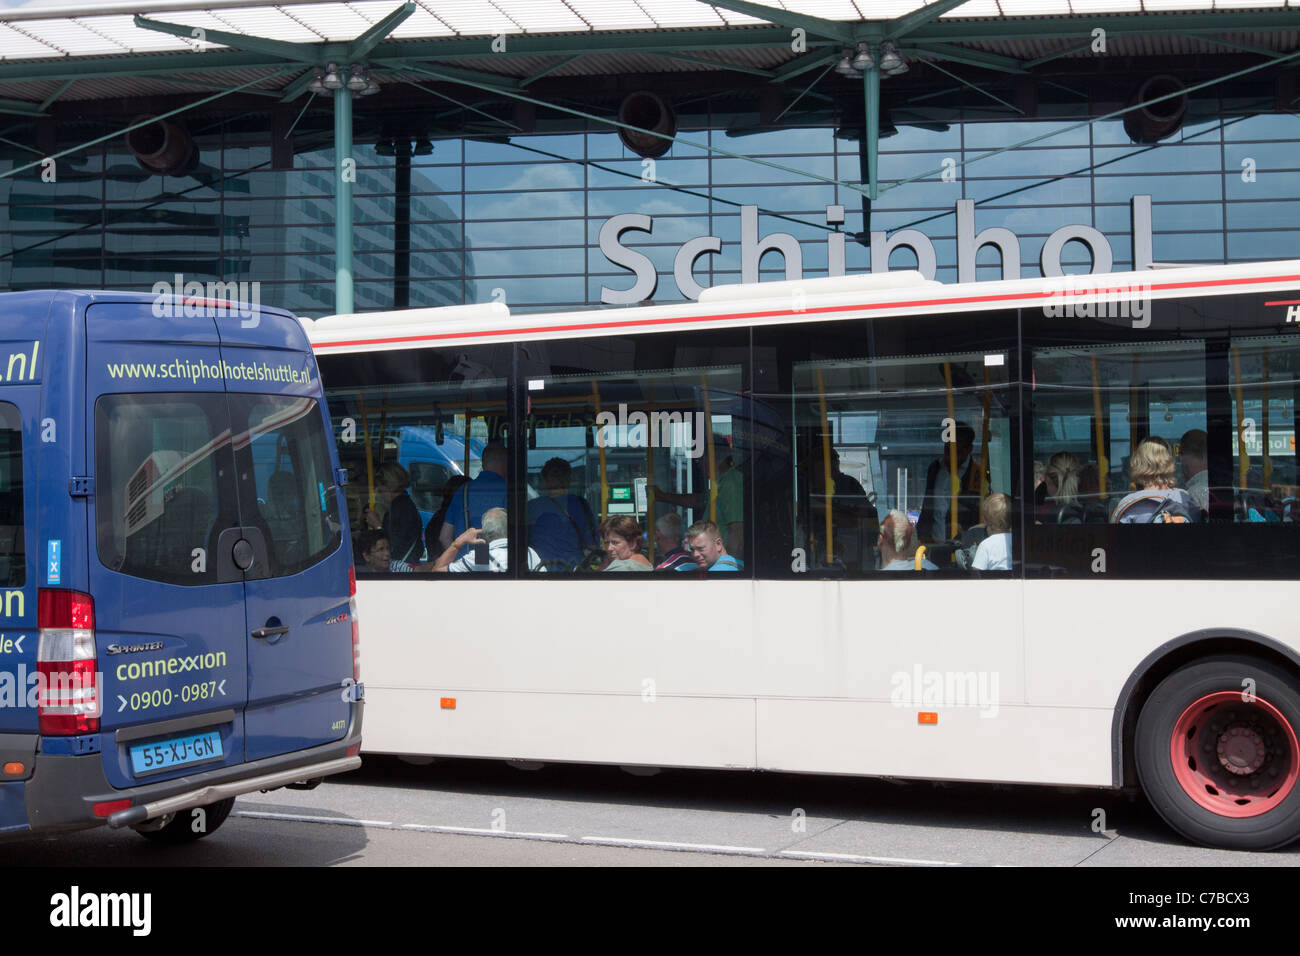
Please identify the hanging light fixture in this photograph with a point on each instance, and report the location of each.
(357, 78)
(891, 61)
(331, 80)
(845, 66)
(316, 84)
(864, 60)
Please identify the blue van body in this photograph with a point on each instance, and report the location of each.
(168, 464)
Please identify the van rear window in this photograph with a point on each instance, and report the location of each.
(165, 477)
(13, 561)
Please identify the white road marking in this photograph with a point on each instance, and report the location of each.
(670, 845)
(303, 818)
(858, 858)
(479, 831)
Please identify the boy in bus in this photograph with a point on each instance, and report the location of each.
(705, 542)
(897, 544)
(994, 552)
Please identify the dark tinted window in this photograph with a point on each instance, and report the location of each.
(412, 427)
(292, 484)
(13, 563)
(165, 489)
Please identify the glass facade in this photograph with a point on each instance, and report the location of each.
(521, 220)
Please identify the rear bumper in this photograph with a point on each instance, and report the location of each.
(63, 792)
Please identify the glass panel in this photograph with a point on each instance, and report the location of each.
(164, 471)
(412, 427)
(13, 548)
(888, 447)
(294, 490)
(631, 441)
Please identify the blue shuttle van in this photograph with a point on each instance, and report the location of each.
(175, 565)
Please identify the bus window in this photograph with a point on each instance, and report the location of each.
(412, 428)
(647, 429)
(891, 453)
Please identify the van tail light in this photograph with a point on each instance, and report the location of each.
(356, 632)
(68, 691)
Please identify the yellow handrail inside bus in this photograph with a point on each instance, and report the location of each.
(954, 480)
(465, 466)
(1243, 463)
(829, 484)
(713, 467)
(918, 563)
(1133, 420)
(1103, 460)
(370, 464)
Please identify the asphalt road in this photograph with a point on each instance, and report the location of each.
(483, 813)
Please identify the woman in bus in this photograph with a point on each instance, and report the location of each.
(1061, 504)
(623, 544)
(1151, 468)
(401, 522)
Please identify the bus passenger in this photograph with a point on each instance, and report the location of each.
(493, 533)
(668, 540)
(897, 544)
(623, 543)
(561, 526)
(1151, 468)
(994, 552)
(401, 522)
(934, 524)
(1061, 504)
(1196, 476)
(729, 504)
(471, 501)
(705, 542)
(377, 555)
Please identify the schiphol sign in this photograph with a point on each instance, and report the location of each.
(752, 247)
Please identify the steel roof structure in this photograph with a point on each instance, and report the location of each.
(496, 67)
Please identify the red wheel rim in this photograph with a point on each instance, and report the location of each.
(1235, 756)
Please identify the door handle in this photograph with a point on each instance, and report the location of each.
(263, 632)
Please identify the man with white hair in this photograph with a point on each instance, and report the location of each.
(897, 544)
(493, 533)
(668, 541)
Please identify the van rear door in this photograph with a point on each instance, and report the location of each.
(169, 611)
(299, 644)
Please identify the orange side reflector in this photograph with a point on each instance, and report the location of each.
(925, 717)
(449, 703)
(14, 769)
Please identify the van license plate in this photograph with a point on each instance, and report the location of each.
(163, 754)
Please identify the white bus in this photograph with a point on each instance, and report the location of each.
(803, 419)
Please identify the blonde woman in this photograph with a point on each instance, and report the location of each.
(1151, 468)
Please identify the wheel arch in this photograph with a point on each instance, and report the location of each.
(1166, 659)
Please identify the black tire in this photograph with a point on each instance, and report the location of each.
(188, 826)
(1199, 799)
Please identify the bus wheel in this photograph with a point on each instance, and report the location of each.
(1217, 753)
(190, 825)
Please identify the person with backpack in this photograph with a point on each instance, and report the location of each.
(1157, 501)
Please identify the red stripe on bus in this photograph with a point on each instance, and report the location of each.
(921, 303)
(1287, 302)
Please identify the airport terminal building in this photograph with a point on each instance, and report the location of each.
(557, 154)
